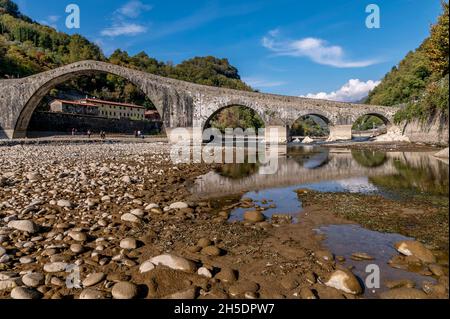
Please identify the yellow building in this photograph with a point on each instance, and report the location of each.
(116, 110)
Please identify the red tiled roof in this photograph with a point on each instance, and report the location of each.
(75, 103)
(113, 103)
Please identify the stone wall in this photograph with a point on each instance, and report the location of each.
(433, 131)
(47, 123)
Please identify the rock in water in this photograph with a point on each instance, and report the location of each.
(174, 262)
(124, 290)
(254, 216)
(416, 249)
(345, 281)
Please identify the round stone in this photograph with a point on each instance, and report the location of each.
(33, 280)
(203, 271)
(128, 243)
(55, 267)
(124, 290)
(179, 205)
(64, 203)
(78, 236)
(93, 279)
(254, 216)
(24, 225)
(174, 262)
(92, 294)
(127, 217)
(137, 212)
(76, 248)
(345, 281)
(25, 293)
(146, 267)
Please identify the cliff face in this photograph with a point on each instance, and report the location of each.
(432, 131)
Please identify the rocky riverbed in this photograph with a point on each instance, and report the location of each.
(100, 220)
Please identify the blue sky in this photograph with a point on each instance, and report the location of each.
(293, 47)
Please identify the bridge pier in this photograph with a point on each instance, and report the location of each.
(340, 133)
(276, 134)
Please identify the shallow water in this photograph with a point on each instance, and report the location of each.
(344, 240)
(394, 175)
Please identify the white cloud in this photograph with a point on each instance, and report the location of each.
(352, 91)
(51, 21)
(133, 9)
(124, 29)
(317, 50)
(121, 25)
(257, 82)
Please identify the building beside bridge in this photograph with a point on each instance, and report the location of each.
(99, 108)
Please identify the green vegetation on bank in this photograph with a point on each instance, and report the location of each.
(420, 82)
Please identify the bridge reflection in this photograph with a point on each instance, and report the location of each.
(305, 165)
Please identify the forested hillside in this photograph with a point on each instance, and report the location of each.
(27, 48)
(421, 79)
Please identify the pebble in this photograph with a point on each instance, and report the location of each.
(391, 284)
(93, 279)
(25, 293)
(127, 217)
(33, 280)
(76, 248)
(137, 212)
(416, 249)
(179, 205)
(174, 262)
(2, 251)
(24, 225)
(64, 203)
(146, 266)
(204, 242)
(254, 216)
(124, 290)
(187, 294)
(128, 243)
(55, 267)
(345, 281)
(77, 236)
(362, 256)
(92, 294)
(205, 272)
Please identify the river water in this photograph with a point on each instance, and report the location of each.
(393, 175)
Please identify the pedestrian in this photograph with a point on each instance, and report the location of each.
(136, 134)
(89, 133)
(73, 131)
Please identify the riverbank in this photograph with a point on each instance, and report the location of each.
(122, 219)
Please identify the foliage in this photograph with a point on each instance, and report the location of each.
(236, 117)
(367, 122)
(420, 81)
(309, 126)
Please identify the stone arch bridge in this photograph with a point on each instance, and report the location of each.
(180, 104)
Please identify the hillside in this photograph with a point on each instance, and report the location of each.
(420, 81)
(27, 47)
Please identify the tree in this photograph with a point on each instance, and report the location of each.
(437, 48)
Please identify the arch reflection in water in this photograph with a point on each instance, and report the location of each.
(331, 170)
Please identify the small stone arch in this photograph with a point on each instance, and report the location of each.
(223, 106)
(327, 118)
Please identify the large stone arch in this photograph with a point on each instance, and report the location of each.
(325, 116)
(34, 89)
